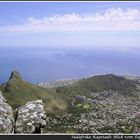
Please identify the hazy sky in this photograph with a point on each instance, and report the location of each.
(70, 24)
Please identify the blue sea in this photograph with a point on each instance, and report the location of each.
(38, 64)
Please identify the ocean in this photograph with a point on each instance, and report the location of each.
(40, 64)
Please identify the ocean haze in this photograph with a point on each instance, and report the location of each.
(39, 64)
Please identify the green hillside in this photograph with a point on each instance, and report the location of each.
(18, 92)
(98, 84)
(95, 101)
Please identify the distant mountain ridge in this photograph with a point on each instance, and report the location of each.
(108, 81)
(85, 104)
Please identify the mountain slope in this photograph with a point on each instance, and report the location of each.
(109, 82)
(17, 92)
(105, 103)
(98, 84)
(99, 104)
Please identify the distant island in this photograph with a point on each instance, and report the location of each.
(96, 104)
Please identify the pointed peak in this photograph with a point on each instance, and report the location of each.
(15, 75)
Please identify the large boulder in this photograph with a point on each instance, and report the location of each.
(6, 117)
(31, 117)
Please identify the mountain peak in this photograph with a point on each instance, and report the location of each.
(15, 75)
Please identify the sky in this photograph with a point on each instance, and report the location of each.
(70, 24)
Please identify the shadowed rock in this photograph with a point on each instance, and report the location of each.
(14, 80)
(15, 75)
(31, 117)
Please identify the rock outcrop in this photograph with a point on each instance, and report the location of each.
(31, 118)
(6, 117)
(15, 79)
(15, 75)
